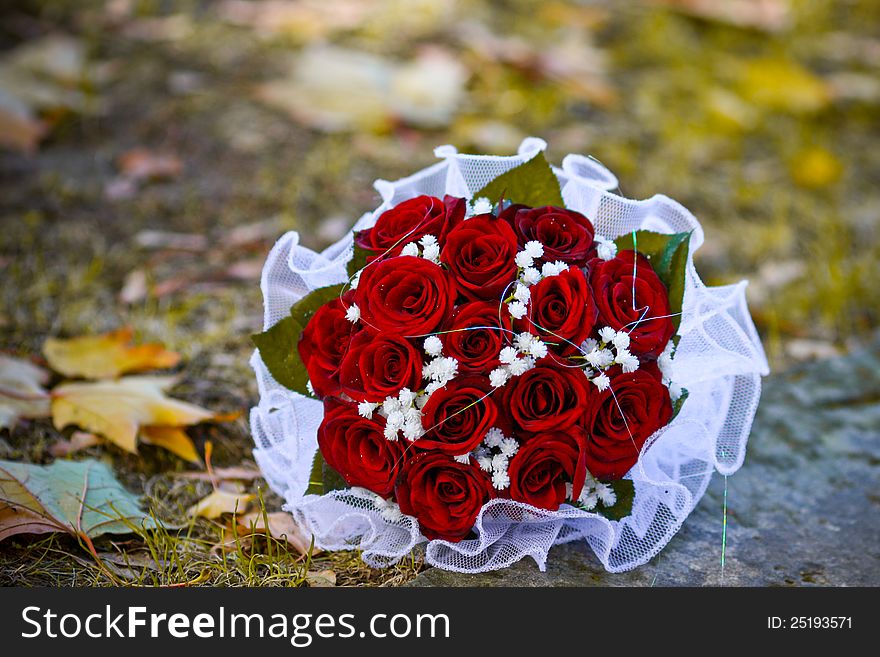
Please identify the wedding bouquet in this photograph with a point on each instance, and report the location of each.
(502, 357)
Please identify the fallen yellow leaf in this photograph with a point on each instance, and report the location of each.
(117, 409)
(174, 439)
(21, 391)
(784, 85)
(105, 356)
(220, 502)
(816, 167)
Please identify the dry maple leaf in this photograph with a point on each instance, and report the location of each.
(105, 356)
(81, 498)
(174, 439)
(118, 409)
(21, 391)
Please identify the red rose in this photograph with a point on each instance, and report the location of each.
(645, 317)
(541, 468)
(623, 417)
(565, 234)
(408, 221)
(549, 397)
(508, 214)
(480, 255)
(561, 310)
(405, 295)
(457, 416)
(379, 364)
(475, 334)
(357, 448)
(444, 495)
(323, 344)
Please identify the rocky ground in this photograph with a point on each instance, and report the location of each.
(150, 153)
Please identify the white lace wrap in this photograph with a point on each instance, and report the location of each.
(719, 360)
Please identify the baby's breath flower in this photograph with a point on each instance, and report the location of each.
(530, 276)
(524, 260)
(365, 409)
(621, 340)
(538, 348)
(433, 345)
(353, 313)
(481, 205)
(517, 309)
(522, 293)
(498, 377)
(411, 249)
(607, 334)
(463, 458)
(534, 248)
(601, 382)
(605, 248)
(500, 480)
(508, 355)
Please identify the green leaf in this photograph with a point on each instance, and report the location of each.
(531, 183)
(626, 493)
(82, 498)
(323, 478)
(668, 256)
(358, 261)
(316, 476)
(678, 403)
(278, 345)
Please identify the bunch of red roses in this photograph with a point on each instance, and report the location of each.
(489, 350)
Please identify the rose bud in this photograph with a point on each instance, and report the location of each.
(357, 449)
(623, 417)
(645, 317)
(444, 495)
(565, 234)
(406, 295)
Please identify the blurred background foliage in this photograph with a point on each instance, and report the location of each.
(151, 151)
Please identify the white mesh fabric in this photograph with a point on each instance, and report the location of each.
(719, 360)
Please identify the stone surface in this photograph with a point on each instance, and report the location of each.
(803, 510)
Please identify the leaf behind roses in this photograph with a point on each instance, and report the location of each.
(323, 478)
(668, 255)
(626, 493)
(278, 345)
(358, 261)
(531, 183)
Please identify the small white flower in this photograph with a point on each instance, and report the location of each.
(534, 248)
(411, 249)
(493, 437)
(485, 463)
(524, 260)
(508, 355)
(433, 387)
(499, 463)
(413, 430)
(355, 280)
(530, 276)
(433, 345)
(605, 249)
(509, 447)
(518, 367)
(421, 400)
(569, 489)
(365, 409)
(553, 268)
(406, 397)
(481, 205)
(538, 348)
(664, 362)
(517, 309)
(390, 406)
(601, 382)
(412, 415)
(501, 480)
(353, 313)
(463, 458)
(588, 345)
(600, 358)
(390, 432)
(432, 253)
(427, 240)
(628, 362)
(522, 293)
(524, 341)
(395, 420)
(621, 340)
(607, 334)
(675, 391)
(310, 388)
(498, 377)
(589, 500)
(606, 495)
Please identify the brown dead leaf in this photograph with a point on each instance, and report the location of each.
(282, 526)
(143, 164)
(118, 409)
(220, 502)
(174, 439)
(766, 15)
(20, 130)
(106, 356)
(21, 391)
(79, 440)
(234, 473)
(321, 579)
